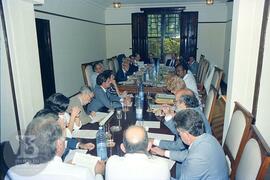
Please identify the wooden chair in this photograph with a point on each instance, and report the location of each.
(255, 159)
(210, 104)
(116, 64)
(218, 118)
(217, 78)
(87, 71)
(111, 63)
(237, 135)
(202, 73)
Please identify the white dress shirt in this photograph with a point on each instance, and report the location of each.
(191, 82)
(136, 166)
(53, 170)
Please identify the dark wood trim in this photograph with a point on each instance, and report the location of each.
(161, 10)
(214, 22)
(260, 59)
(10, 71)
(68, 17)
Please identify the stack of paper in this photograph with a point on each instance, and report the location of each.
(148, 124)
(98, 117)
(71, 153)
(86, 134)
(161, 136)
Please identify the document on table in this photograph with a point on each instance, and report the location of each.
(85, 134)
(98, 117)
(161, 136)
(85, 160)
(104, 120)
(168, 161)
(71, 154)
(149, 124)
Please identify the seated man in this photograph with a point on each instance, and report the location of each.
(182, 71)
(98, 68)
(123, 72)
(193, 65)
(151, 59)
(80, 100)
(137, 164)
(41, 150)
(205, 157)
(103, 100)
(176, 150)
(171, 62)
(133, 67)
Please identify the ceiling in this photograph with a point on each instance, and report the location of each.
(108, 3)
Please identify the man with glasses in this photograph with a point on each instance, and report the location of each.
(205, 158)
(80, 100)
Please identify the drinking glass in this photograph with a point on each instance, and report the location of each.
(119, 117)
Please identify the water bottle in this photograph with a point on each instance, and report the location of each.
(139, 109)
(101, 144)
(147, 78)
(141, 91)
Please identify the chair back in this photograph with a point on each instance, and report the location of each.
(218, 118)
(87, 71)
(237, 134)
(255, 158)
(116, 64)
(202, 72)
(210, 104)
(216, 79)
(111, 63)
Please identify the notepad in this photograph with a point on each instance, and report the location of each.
(99, 116)
(165, 96)
(161, 136)
(149, 124)
(104, 120)
(85, 160)
(168, 161)
(85, 134)
(71, 153)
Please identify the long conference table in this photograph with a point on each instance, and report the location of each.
(125, 123)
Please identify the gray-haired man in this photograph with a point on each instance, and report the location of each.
(80, 100)
(40, 152)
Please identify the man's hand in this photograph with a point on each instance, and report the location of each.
(75, 112)
(158, 151)
(100, 167)
(87, 146)
(93, 114)
(151, 141)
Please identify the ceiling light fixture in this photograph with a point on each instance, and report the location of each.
(116, 4)
(209, 2)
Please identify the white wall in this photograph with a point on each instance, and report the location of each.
(21, 35)
(211, 28)
(263, 113)
(73, 41)
(244, 49)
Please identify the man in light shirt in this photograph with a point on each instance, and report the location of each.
(40, 152)
(136, 164)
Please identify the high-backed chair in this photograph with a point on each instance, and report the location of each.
(237, 135)
(255, 159)
(87, 71)
(116, 64)
(217, 121)
(210, 104)
(111, 64)
(217, 78)
(202, 73)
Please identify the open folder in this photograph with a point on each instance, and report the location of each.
(100, 116)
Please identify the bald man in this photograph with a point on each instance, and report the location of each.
(176, 150)
(136, 163)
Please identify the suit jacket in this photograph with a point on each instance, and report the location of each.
(53, 170)
(132, 68)
(151, 61)
(136, 166)
(194, 67)
(121, 76)
(168, 62)
(205, 160)
(103, 99)
(75, 101)
(178, 150)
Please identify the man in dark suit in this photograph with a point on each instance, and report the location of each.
(123, 72)
(151, 59)
(171, 62)
(103, 100)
